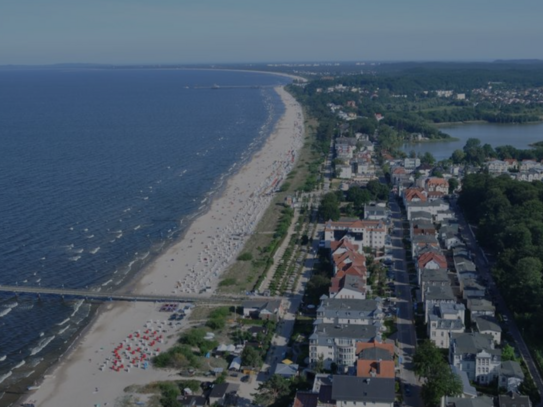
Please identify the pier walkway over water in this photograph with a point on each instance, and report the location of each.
(113, 296)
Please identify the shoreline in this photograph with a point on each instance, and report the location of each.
(111, 322)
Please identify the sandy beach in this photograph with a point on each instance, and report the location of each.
(129, 334)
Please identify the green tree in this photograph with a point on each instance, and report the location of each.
(443, 382)
(272, 391)
(427, 358)
(329, 207)
(453, 184)
(458, 156)
(508, 353)
(251, 357)
(427, 158)
(358, 196)
(169, 393)
(430, 364)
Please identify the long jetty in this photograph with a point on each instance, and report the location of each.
(114, 296)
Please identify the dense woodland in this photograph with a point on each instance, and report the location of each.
(509, 216)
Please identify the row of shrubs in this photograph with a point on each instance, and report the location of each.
(281, 231)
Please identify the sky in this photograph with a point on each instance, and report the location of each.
(228, 31)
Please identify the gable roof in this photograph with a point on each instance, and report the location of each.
(414, 193)
(511, 368)
(514, 400)
(375, 389)
(473, 343)
(221, 389)
(375, 368)
(487, 323)
(429, 256)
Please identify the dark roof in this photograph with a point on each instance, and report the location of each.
(487, 323)
(361, 333)
(513, 400)
(473, 343)
(375, 354)
(351, 388)
(511, 368)
(325, 394)
(221, 389)
(306, 399)
(439, 293)
(192, 401)
(481, 401)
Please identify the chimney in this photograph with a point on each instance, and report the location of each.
(378, 366)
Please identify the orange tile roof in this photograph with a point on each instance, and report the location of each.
(360, 346)
(374, 368)
(437, 181)
(427, 257)
(412, 193)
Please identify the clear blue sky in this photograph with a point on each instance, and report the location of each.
(195, 31)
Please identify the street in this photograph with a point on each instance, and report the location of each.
(406, 337)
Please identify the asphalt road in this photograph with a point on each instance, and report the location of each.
(484, 269)
(406, 337)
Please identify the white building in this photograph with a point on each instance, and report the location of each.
(474, 354)
(333, 343)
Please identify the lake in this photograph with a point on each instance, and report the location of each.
(517, 135)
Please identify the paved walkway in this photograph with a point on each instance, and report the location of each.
(279, 253)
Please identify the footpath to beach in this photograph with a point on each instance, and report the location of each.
(89, 375)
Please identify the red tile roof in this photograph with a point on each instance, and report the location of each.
(427, 257)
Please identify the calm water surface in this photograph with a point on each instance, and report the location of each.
(517, 135)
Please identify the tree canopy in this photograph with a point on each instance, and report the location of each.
(430, 364)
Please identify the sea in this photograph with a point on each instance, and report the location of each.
(100, 171)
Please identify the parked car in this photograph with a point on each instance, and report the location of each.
(407, 389)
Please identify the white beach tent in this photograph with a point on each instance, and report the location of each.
(236, 364)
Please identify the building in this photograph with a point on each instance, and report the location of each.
(364, 233)
(191, 401)
(432, 207)
(337, 343)
(262, 309)
(435, 296)
(224, 394)
(489, 325)
(411, 163)
(432, 277)
(480, 307)
(346, 311)
(375, 212)
(474, 353)
(435, 184)
(511, 376)
(479, 401)
(375, 360)
(513, 400)
(286, 370)
(351, 391)
(348, 285)
(445, 319)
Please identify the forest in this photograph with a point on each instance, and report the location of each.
(509, 219)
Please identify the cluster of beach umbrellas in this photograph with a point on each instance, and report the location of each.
(137, 348)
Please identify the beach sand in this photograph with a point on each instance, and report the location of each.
(190, 266)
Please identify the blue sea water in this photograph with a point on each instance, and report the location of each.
(99, 171)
